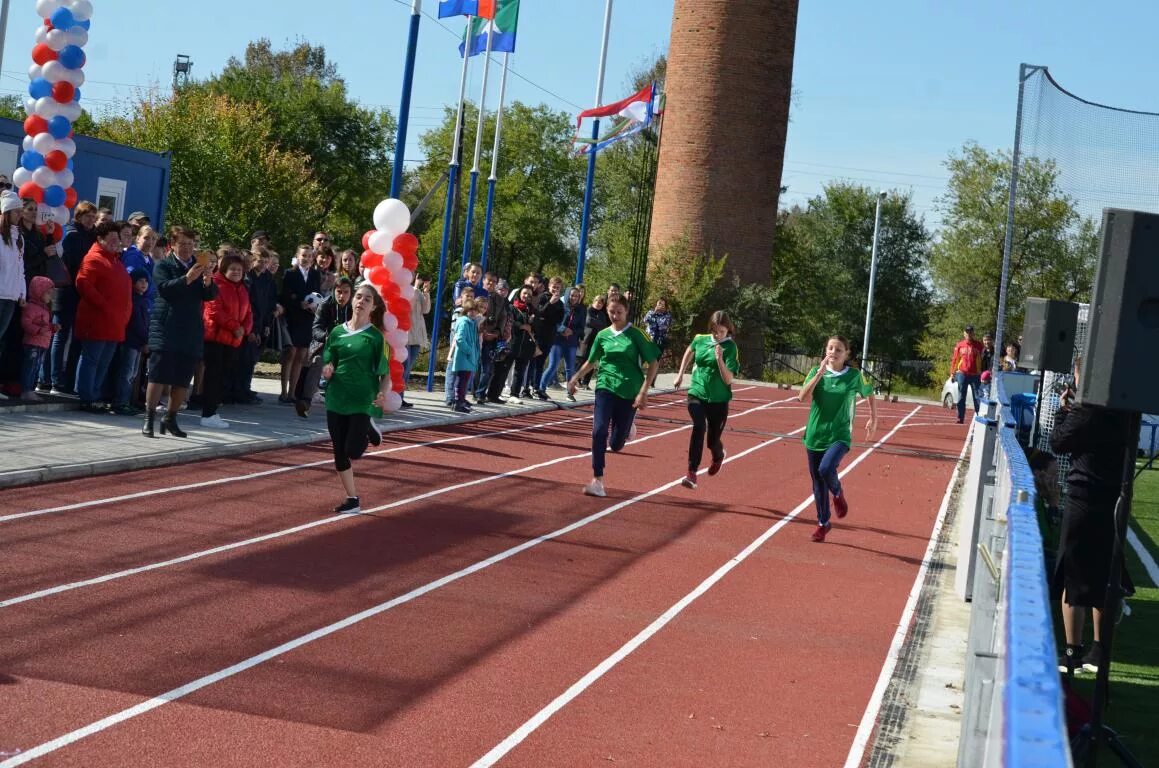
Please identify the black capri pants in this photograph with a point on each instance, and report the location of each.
(710, 418)
(350, 434)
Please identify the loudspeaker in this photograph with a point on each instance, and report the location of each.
(1120, 365)
(1048, 335)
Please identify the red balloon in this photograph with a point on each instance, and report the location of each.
(63, 91)
(378, 276)
(42, 54)
(395, 370)
(370, 259)
(390, 289)
(406, 243)
(69, 197)
(410, 261)
(56, 160)
(398, 385)
(33, 191)
(403, 321)
(400, 307)
(35, 125)
(366, 239)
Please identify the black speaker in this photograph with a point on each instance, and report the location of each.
(1121, 356)
(1048, 335)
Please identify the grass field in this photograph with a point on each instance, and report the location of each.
(1134, 706)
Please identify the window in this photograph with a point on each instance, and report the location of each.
(111, 195)
(8, 155)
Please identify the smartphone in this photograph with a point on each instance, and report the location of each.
(203, 258)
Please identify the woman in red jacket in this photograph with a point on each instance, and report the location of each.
(105, 304)
(228, 320)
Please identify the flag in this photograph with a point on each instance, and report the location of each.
(502, 26)
(636, 107)
(484, 9)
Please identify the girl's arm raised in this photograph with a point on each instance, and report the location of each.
(806, 393)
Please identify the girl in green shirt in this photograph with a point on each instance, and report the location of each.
(356, 362)
(619, 353)
(831, 387)
(716, 359)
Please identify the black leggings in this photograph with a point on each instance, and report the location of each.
(712, 415)
(219, 363)
(350, 434)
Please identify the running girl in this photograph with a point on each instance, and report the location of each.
(619, 354)
(832, 387)
(355, 368)
(716, 363)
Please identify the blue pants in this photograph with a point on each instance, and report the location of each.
(558, 352)
(486, 368)
(412, 354)
(126, 374)
(92, 369)
(612, 415)
(33, 357)
(966, 380)
(823, 469)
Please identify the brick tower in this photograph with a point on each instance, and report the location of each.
(730, 73)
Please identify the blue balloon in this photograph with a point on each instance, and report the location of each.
(86, 24)
(39, 88)
(31, 160)
(62, 18)
(54, 195)
(69, 166)
(76, 94)
(59, 127)
(72, 57)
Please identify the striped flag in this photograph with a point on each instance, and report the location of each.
(484, 9)
(502, 27)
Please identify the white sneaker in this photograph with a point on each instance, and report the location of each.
(514, 401)
(214, 422)
(595, 488)
(318, 399)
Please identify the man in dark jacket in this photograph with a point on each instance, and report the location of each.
(263, 293)
(176, 330)
(76, 243)
(332, 312)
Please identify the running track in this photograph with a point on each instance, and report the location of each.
(486, 613)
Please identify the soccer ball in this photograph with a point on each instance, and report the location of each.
(313, 300)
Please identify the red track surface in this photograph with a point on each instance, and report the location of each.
(774, 665)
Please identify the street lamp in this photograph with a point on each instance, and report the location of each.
(872, 277)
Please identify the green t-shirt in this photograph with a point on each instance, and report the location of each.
(831, 415)
(707, 384)
(360, 359)
(619, 357)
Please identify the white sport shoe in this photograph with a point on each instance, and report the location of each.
(595, 488)
(214, 422)
(514, 401)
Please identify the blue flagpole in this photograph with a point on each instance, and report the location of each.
(416, 15)
(586, 219)
(478, 144)
(494, 165)
(452, 185)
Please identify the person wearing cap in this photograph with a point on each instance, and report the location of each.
(966, 369)
(13, 289)
(138, 219)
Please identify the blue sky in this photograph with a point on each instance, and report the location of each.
(884, 91)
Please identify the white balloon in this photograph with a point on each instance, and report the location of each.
(398, 337)
(41, 33)
(403, 277)
(407, 292)
(44, 143)
(74, 76)
(78, 36)
(56, 39)
(21, 176)
(65, 178)
(380, 242)
(44, 177)
(45, 8)
(389, 322)
(67, 146)
(54, 71)
(35, 71)
(71, 110)
(82, 10)
(60, 215)
(27, 143)
(48, 107)
(400, 354)
(392, 215)
(29, 106)
(392, 261)
(393, 402)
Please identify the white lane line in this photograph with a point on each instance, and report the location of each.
(520, 734)
(869, 717)
(1144, 556)
(323, 521)
(253, 661)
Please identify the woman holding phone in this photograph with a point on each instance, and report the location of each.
(716, 362)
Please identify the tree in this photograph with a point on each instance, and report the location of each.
(229, 175)
(1054, 248)
(12, 107)
(349, 147)
(822, 260)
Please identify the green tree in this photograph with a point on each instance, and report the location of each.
(1054, 248)
(229, 176)
(12, 107)
(822, 261)
(349, 147)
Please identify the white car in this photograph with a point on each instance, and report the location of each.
(949, 393)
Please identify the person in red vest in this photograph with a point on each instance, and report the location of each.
(966, 368)
(105, 304)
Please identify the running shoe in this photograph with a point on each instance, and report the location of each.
(1071, 660)
(1094, 657)
(820, 532)
(349, 507)
(406, 404)
(214, 422)
(374, 434)
(840, 506)
(541, 394)
(595, 488)
(513, 400)
(716, 465)
(689, 480)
